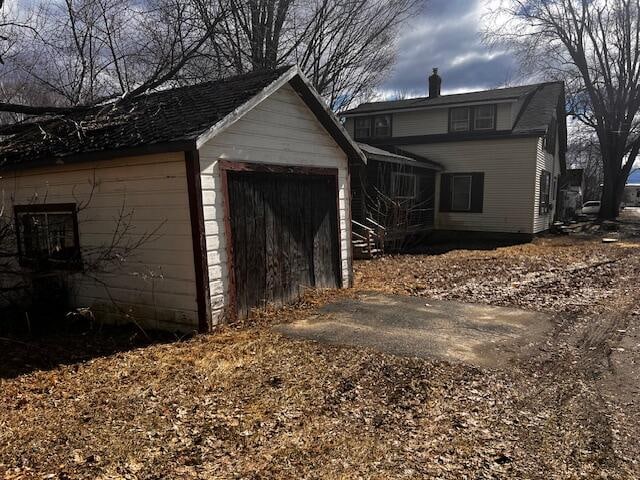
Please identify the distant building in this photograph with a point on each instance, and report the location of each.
(571, 193)
(631, 196)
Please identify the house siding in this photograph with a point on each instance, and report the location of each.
(420, 122)
(433, 121)
(156, 284)
(508, 165)
(281, 130)
(549, 162)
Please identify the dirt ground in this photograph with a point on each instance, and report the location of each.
(249, 403)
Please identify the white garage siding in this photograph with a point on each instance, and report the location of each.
(156, 285)
(508, 166)
(282, 131)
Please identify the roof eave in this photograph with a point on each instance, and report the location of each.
(98, 155)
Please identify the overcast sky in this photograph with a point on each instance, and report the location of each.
(446, 35)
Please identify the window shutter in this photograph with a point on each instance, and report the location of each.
(477, 192)
(445, 192)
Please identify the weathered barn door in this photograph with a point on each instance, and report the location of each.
(284, 236)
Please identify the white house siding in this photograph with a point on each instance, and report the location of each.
(504, 121)
(551, 163)
(348, 126)
(420, 122)
(508, 166)
(281, 130)
(156, 285)
(433, 121)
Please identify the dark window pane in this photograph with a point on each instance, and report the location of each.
(47, 235)
(460, 119)
(404, 185)
(362, 127)
(484, 118)
(61, 236)
(461, 192)
(34, 235)
(382, 126)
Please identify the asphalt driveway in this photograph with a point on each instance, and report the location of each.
(417, 327)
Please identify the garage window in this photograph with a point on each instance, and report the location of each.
(48, 235)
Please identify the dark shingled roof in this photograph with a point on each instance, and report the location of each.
(536, 104)
(175, 116)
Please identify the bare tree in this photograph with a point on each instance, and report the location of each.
(83, 52)
(345, 47)
(595, 47)
(583, 152)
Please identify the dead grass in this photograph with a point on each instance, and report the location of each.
(246, 403)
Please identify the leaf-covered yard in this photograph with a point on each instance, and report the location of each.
(247, 403)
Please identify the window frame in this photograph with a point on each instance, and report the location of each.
(544, 199)
(493, 109)
(356, 136)
(477, 192)
(453, 181)
(374, 129)
(471, 118)
(413, 176)
(451, 120)
(43, 209)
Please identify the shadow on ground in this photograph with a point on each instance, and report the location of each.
(20, 355)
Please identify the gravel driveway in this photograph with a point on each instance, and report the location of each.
(479, 334)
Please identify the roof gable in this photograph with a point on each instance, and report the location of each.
(170, 120)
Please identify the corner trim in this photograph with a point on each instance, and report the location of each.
(199, 241)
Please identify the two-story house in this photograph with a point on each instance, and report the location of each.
(499, 153)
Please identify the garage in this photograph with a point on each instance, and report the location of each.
(284, 235)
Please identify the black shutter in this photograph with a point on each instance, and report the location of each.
(445, 192)
(477, 192)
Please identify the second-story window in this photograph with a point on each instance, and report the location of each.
(382, 126)
(460, 119)
(484, 117)
(363, 127)
(378, 126)
(478, 118)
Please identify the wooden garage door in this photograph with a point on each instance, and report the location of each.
(285, 236)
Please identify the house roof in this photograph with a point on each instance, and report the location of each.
(167, 120)
(374, 153)
(536, 104)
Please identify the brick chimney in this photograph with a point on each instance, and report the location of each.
(435, 81)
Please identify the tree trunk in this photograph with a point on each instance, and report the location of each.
(613, 189)
(616, 171)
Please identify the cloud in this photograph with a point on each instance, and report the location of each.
(447, 36)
